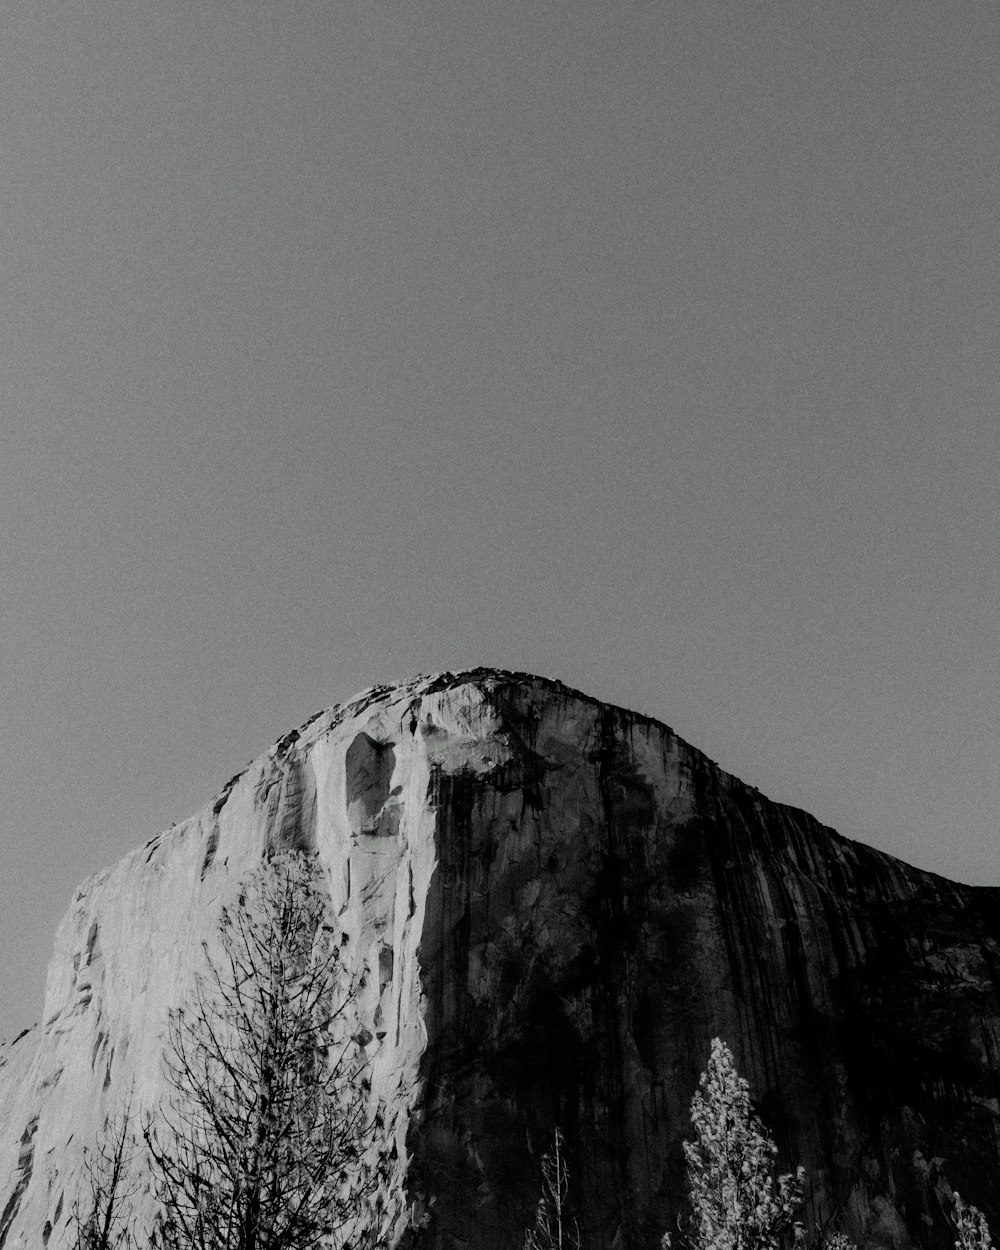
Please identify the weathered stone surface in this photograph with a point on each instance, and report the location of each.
(558, 903)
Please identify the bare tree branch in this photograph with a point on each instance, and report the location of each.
(103, 1216)
(553, 1228)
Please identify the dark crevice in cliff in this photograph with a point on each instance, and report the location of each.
(25, 1163)
(288, 794)
(368, 767)
(627, 807)
(211, 846)
(222, 797)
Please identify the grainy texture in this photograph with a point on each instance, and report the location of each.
(557, 903)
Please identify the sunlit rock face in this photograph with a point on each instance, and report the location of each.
(557, 904)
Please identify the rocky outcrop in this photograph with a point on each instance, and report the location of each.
(557, 904)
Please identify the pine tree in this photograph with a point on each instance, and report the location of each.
(737, 1204)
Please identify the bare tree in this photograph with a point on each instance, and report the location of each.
(103, 1217)
(266, 1142)
(553, 1229)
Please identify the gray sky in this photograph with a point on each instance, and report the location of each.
(650, 346)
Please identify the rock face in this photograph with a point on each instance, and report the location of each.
(558, 904)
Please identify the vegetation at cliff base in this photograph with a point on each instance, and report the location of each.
(736, 1201)
(267, 1140)
(554, 1228)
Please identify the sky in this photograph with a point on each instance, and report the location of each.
(650, 346)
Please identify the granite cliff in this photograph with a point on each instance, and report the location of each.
(558, 903)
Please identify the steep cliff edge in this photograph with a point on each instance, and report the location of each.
(557, 903)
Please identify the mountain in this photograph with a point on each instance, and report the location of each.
(558, 903)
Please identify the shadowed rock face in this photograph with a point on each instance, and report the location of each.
(557, 904)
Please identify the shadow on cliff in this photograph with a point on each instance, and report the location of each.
(576, 979)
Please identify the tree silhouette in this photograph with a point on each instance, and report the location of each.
(103, 1217)
(267, 1141)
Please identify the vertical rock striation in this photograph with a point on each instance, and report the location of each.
(556, 904)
